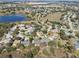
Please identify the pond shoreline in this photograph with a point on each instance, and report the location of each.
(13, 18)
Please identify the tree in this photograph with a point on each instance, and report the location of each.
(51, 43)
(35, 50)
(63, 35)
(13, 13)
(45, 52)
(9, 49)
(31, 38)
(52, 50)
(16, 32)
(29, 54)
(77, 34)
(33, 14)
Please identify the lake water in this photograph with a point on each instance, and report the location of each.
(12, 18)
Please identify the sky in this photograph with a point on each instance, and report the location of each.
(39, 0)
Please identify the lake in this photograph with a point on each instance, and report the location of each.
(12, 18)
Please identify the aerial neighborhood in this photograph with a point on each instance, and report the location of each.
(49, 30)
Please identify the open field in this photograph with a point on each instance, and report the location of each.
(53, 16)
